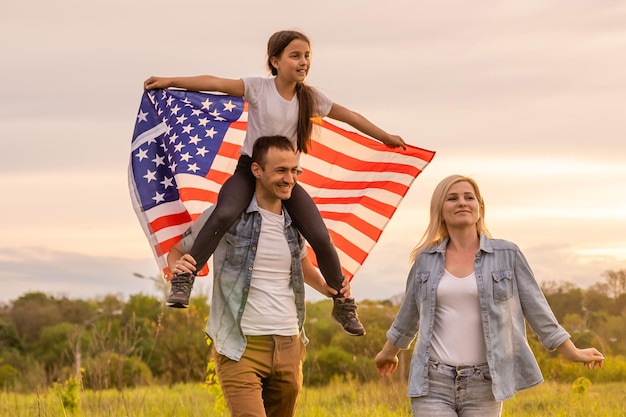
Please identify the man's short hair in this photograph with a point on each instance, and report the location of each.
(264, 143)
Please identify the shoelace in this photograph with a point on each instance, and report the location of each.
(349, 310)
(181, 286)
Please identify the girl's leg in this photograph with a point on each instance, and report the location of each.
(306, 217)
(232, 200)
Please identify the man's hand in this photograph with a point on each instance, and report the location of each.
(185, 264)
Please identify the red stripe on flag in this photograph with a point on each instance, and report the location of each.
(217, 176)
(164, 246)
(319, 181)
(229, 150)
(348, 247)
(169, 220)
(191, 194)
(355, 221)
(320, 151)
(419, 153)
(370, 203)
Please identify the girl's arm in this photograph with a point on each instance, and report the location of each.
(360, 123)
(228, 86)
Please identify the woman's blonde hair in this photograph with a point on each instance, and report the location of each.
(437, 231)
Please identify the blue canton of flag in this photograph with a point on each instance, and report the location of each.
(177, 137)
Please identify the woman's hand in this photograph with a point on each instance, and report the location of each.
(387, 359)
(592, 358)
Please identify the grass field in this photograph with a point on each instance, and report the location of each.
(384, 398)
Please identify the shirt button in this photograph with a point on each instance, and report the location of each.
(249, 268)
(253, 248)
(245, 290)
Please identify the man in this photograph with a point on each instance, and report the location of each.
(257, 310)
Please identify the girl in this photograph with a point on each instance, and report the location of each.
(468, 296)
(277, 105)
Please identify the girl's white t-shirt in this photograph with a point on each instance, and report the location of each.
(270, 114)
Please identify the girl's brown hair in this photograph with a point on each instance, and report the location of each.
(306, 95)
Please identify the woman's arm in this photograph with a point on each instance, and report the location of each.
(228, 86)
(360, 123)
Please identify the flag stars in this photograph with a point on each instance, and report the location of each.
(173, 138)
(181, 119)
(142, 154)
(216, 116)
(185, 157)
(167, 182)
(141, 117)
(159, 160)
(187, 129)
(193, 167)
(194, 139)
(159, 197)
(203, 122)
(178, 147)
(210, 132)
(201, 151)
(150, 176)
(196, 112)
(206, 104)
(229, 106)
(175, 110)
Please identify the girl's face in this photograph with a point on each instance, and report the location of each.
(294, 62)
(460, 206)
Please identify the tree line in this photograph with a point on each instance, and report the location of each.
(109, 342)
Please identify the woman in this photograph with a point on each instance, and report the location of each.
(469, 295)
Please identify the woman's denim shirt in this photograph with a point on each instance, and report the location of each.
(507, 293)
(233, 261)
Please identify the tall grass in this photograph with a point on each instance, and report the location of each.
(340, 398)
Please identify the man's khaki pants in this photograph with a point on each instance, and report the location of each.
(267, 380)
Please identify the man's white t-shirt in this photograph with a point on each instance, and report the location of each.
(271, 304)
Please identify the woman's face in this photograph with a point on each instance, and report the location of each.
(460, 206)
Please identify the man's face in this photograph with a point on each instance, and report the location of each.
(278, 177)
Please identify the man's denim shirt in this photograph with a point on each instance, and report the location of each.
(233, 262)
(507, 293)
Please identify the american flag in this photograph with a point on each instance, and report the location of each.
(186, 144)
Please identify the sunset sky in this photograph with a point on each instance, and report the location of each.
(529, 98)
